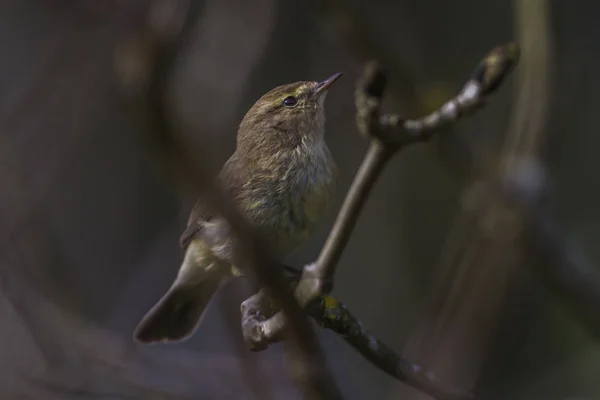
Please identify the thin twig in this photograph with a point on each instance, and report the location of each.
(163, 41)
(565, 268)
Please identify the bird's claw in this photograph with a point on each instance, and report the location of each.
(252, 322)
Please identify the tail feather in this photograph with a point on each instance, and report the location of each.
(178, 313)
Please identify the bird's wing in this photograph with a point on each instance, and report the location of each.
(198, 216)
(231, 178)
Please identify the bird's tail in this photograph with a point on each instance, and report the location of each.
(178, 314)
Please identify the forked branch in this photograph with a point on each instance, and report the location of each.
(387, 134)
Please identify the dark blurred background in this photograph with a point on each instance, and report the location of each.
(90, 222)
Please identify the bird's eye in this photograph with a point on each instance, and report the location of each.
(290, 101)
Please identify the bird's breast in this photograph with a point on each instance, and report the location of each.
(310, 188)
(287, 200)
(310, 206)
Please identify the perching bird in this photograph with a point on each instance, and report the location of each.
(281, 176)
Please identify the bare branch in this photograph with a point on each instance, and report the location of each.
(387, 134)
(488, 76)
(566, 269)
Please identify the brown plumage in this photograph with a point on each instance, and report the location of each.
(281, 176)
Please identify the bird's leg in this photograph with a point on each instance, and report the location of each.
(255, 311)
(262, 322)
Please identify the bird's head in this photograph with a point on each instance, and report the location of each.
(287, 114)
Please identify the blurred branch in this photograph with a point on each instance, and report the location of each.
(389, 134)
(484, 252)
(76, 359)
(566, 269)
(527, 130)
(562, 265)
(162, 41)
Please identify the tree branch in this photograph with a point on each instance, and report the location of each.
(388, 134)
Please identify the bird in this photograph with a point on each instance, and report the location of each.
(281, 177)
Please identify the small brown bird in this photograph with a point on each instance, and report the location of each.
(281, 176)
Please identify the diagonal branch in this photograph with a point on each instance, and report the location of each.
(388, 134)
(565, 268)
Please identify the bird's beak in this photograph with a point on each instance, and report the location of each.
(323, 86)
